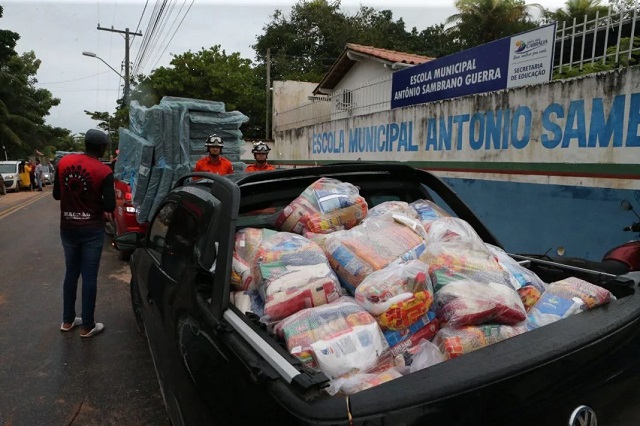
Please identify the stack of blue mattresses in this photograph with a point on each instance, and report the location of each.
(165, 141)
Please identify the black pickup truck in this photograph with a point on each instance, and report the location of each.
(215, 364)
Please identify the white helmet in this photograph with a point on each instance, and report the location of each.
(260, 148)
(214, 140)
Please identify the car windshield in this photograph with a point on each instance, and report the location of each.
(8, 168)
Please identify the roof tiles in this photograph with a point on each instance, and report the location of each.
(389, 55)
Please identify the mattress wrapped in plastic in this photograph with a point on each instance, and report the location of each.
(132, 149)
(149, 123)
(371, 246)
(143, 207)
(398, 295)
(340, 338)
(325, 206)
(192, 104)
(292, 273)
(164, 186)
(470, 286)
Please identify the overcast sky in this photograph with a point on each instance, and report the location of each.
(59, 31)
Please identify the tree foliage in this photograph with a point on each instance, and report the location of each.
(481, 21)
(305, 44)
(577, 9)
(23, 106)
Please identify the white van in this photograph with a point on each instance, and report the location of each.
(9, 171)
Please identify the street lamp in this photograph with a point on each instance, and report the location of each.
(93, 55)
(126, 90)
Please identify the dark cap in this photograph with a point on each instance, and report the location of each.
(96, 137)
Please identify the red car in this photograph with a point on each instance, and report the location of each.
(123, 219)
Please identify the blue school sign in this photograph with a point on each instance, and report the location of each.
(520, 60)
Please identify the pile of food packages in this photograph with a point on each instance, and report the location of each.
(368, 295)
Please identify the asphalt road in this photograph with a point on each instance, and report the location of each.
(52, 378)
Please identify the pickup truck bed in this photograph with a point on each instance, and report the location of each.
(245, 375)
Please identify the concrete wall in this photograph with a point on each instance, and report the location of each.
(288, 95)
(587, 120)
(363, 71)
(544, 166)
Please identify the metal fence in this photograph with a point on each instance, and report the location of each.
(372, 96)
(607, 40)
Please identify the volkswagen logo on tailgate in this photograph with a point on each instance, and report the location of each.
(583, 416)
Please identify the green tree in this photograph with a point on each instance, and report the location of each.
(481, 21)
(23, 107)
(577, 9)
(111, 125)
(8, 40)
(436, 41)
(304, 45)
(209, 74)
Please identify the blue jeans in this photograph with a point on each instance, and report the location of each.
(82, 252)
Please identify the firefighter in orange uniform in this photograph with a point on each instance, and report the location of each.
(214, 162)
(260, 153)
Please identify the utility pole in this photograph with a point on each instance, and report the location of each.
(268, 93)
(126, 57)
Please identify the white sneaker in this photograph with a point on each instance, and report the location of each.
(98, 328)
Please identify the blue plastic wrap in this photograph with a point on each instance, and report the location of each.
(172, 135)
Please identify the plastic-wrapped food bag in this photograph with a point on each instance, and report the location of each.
(423, 355)
(248, 301)
(428, 211)
(470, 286)
(340, 338)
(572, 287)
(425, 327)
(551, 308)
(397, 295)
(363, 381)
(325, 206)
(293, 273)
(454, 342)
(370, 246)
(528, 285)
(392, 207)
(447, 229)
(246, 245)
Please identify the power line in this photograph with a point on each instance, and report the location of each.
(149, 34)
(174, 33)
(75, 79)
(157, 35)
(141, 16)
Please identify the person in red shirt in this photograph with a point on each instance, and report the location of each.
(84, 187)
(260, 153)
(214, 162)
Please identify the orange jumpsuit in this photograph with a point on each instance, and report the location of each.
(258, 168)
(220, 167)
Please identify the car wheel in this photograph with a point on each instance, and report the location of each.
(136, 304)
